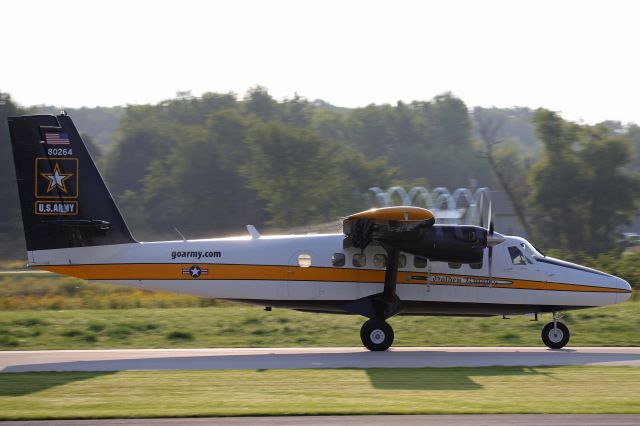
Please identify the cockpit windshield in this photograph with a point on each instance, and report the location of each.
(531, 252)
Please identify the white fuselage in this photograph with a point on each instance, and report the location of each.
(272, 270)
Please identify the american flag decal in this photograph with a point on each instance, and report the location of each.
(56, 138)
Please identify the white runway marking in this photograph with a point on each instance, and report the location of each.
(279, 358)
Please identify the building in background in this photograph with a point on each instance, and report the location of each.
(462, 206)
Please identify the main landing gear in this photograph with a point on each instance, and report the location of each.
(376, 334)
(555, 334)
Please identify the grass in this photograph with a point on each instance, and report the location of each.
(236, 325)
(314, 392)
(12, 264)
(55, 292)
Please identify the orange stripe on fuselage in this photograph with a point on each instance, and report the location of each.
(175, 271)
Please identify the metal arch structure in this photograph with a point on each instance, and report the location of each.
(439, 199)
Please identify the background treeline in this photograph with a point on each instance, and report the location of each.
(211, 164)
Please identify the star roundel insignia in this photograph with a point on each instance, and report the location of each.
(195, 271)
(57, 179)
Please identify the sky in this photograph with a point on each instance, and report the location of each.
(575, 57)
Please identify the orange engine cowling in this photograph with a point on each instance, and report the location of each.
(413, 230)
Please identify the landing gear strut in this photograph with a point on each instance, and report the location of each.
(555, 334)
(376, 334)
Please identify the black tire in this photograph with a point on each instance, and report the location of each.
(376, 335)
(555, 339)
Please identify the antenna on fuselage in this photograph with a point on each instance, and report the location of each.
(180, 233)
(253, 232)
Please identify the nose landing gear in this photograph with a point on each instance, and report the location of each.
(555, 334)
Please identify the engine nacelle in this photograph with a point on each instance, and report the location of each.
(442, 243)
(413, 230)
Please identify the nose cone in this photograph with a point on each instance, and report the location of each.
(622, 285)
(494, 239)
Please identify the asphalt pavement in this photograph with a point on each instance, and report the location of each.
(278, 358)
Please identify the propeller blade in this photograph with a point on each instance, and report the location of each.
(490, 266)
(490, 218)
(492, 240)
(481, 209)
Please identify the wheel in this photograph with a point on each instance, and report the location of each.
(376, 335)
(555, 338)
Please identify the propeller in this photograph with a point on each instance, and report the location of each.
(489, 236)
(493, 238)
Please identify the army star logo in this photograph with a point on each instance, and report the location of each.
(57, 179)
(195, 271)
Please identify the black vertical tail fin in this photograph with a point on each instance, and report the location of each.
(65, 203)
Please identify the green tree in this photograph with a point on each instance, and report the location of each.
(194, 183)
(259, 102)
(141, 138)
(633, 133)
(296, 112)
(507, 162)
(426, 140)
(10, 219)
(580, 190)
(329, 124)
(301, 178)
(93, 148)
(516, 126)
(189, 189)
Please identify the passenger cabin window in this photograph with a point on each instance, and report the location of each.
(380, 260)
(338, 259)
(517, 258)
(419, 262)
(454, 265)
(359, 260)
(304, 260)
(476, 265)
(402, 261)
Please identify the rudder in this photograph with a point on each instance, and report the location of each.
(64, 200)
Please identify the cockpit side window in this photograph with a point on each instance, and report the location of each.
(530, 252)
(517, 258)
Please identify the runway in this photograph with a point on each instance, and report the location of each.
(282, 358)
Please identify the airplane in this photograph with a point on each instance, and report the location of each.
(387, 261)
